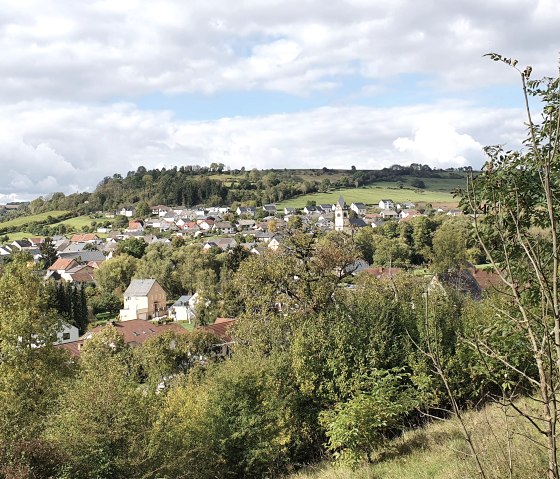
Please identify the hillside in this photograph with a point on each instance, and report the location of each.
(372, 194)
(439, 451)
(189, 186)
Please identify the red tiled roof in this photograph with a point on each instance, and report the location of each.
(134, 225)
(223, 320)
(83, 276)
(62, 264)
(134, 332)
(83, 238)
(381, 272)
(487, 279)
(220, 328)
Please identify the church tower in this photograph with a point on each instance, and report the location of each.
(340, 214)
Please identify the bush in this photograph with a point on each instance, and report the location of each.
(360, 425)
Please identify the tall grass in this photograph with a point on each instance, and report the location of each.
(438, 451)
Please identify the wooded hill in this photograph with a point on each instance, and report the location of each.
(192, 185)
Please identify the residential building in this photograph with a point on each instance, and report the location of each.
(387, 204)
(389, 214)
(184, 309)
(143, 299)
(358, 208)
(134, 333)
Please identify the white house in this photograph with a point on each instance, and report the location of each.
(184, 309)
(388, 214)
(309, 209)
(246, 210)
(406, 206)
(359, 208)
(274, 243)
(5, 251)
(224, 227)
(143, 299)
(222, 243)
(270, 209)
(408, 214)
(67, 333)
(127, 211)
(387, 204)
(289, 211)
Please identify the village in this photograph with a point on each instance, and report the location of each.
(148, 310)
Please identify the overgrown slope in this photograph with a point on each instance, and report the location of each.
(439, 451)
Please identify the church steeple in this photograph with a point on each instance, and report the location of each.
(340, 214)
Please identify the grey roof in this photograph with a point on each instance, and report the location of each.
(247, 209)
(73, 247)
(23, 243)
(84, 255)
(341, 202)
(183, 300)
(223, 224)
(246, 222)
(357, 222)
(139, 287)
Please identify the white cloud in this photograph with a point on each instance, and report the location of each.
(56, 147)
(98, 50)
(438, 144)
(71, 72)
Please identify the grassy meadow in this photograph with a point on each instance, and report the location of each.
(21, 235)
(371, 195)
(77, 223)
(38, 218)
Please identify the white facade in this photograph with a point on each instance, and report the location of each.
(143, 299)
(339, 215)
(67, 334)
(387, 204)
(358, 208)
(184, 309)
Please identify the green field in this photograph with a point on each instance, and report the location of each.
(77, 222)
(39, 218)
(371, 195)
(446, 184)
(21, 235)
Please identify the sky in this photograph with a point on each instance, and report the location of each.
(92, 88)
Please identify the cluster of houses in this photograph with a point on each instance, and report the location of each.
(145, 300)
(136, 331)
(250, 219)
(261, 227)
(218, 224)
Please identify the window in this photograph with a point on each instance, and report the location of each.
(65, 336)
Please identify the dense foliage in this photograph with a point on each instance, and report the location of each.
(325, 363)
